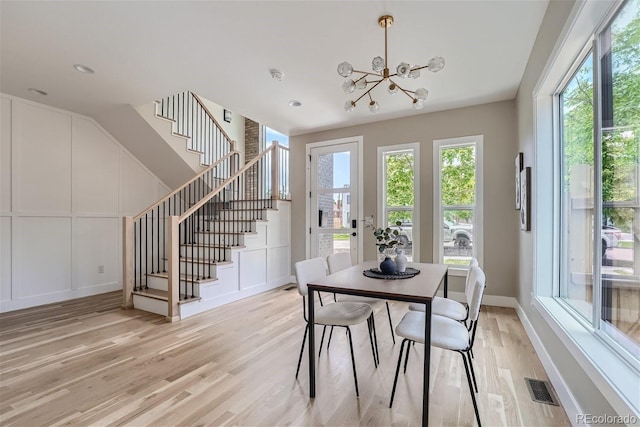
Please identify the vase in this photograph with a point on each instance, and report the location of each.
(388, 266)
(401, 261)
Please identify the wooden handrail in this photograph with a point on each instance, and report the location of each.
(206, 110)
(168, 196)
(229, 180)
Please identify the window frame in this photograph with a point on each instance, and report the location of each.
(614, 374)
(382, 184)
(438, 216)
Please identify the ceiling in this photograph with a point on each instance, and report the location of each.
(223, 51)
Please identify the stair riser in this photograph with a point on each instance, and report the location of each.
(227, 226)
(219, 239)
(162, 284)
(219, 254)
(233, 215)
(244, 204)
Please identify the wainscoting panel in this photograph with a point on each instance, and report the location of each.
(41, 159)
(96, 169)
(64, 182)
(97, 248)
(253, 268)
(43, 259)
(228, 278)
(5, 156)
(5, 258)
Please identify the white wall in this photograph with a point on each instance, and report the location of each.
(66, 183)
(495, 121)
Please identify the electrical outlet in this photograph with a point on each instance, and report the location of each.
(101, 269)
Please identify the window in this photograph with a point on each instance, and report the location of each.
(269, 135)
(599, 209)
(457, 200)
(397, 166)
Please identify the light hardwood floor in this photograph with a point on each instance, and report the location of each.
(87, 362)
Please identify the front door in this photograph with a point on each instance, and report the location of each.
(333, 215)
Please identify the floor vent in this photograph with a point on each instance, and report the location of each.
(288, 288)
(541, 391)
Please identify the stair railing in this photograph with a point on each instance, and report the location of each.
(145, 237)
(194, 121)
(199, 232)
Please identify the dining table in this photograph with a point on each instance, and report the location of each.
(420, 288)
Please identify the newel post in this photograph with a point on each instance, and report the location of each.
(127, 262)
(173, 255)
(275, 171)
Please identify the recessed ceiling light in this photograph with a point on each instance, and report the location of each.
(276, 74)
(295, 103)
(83, 69)
(37, 91)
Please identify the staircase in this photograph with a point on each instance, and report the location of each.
(221, 236)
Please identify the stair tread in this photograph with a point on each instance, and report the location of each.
(235, 220)
(246, 209)
(183, 277)
(227, 232)
(153, 293)
(164, 295)
(203, 261)
(204, 245)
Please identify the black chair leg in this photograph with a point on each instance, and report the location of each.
(473, 395)
(353, 361)
(393, 336)
(375, 337)
(373, 350)
(330, 335)
(395, 379)
(406, 360)
(473, 374)
(324, 329)
(306, 329)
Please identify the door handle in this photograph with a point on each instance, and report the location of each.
(354, 223)
(354, 234)
(320, 218)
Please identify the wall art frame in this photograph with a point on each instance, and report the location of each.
(519, 164)
(525, 199)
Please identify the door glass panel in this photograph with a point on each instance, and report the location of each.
(334, 210)
(334, 170)
(331, 243)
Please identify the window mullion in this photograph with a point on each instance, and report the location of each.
(597, 185)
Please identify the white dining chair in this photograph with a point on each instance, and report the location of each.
(446, 333)
(343, 314)
(340, 261)
(448, 307)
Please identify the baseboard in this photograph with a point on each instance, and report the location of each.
(493, 300)
(567, 399)
(33, 301)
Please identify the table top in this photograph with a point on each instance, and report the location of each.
(420, 288)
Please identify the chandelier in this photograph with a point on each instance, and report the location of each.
(381, 74)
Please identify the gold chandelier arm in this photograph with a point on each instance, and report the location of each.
(406, 92)
(420, 68)
(369, 90)
(367, 73)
